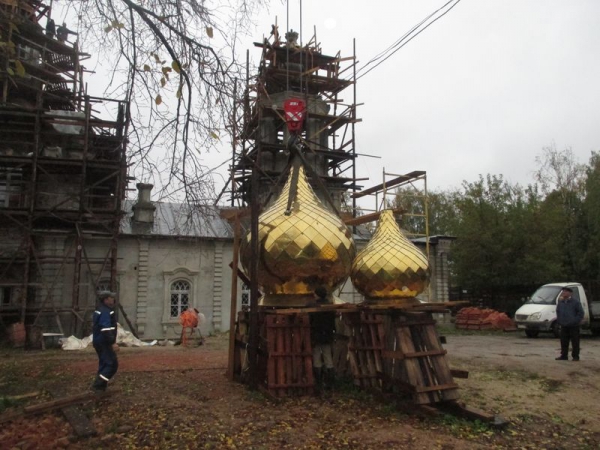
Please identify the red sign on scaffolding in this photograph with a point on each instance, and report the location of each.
(295, 111)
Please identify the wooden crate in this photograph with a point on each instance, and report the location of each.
(366, 343)
(288, 355)
(400, 352)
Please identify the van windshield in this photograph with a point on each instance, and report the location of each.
(546, 295)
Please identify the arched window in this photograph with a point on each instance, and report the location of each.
(180, 297)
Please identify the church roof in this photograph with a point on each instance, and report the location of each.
(178, 220)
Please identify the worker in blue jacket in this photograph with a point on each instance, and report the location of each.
(569, 314)
(104, 340)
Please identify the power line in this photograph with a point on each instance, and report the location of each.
(402, 41)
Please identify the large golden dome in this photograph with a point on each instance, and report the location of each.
(390, 269)
(307, 248)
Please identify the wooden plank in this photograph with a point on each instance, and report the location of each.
(298, 351)
(288, 358)
(377, 343)
(393, 182)
(371, 217)
(367, 349)
(279, 361)
(291, 353)
(401, 355)
(438, 387)
(459, 408)
(363, 363)
(307, 360)
(440, 363)
(271, 366)
(66, 401)
(429, 374)
(80, 423)
(413, 370)
(23, 396)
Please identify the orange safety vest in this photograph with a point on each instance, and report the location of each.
(189, 318)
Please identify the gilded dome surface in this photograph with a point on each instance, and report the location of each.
(306, 248)
(390, 266)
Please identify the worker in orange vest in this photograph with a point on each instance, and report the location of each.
(189, 319)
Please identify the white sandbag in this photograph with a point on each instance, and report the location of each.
(124, 337)
(73, 343)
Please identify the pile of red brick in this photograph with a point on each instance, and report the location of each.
(473, 318)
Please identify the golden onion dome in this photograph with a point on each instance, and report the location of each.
(390, 266)
(299, 251)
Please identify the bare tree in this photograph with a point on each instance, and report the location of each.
(559, 171)
(175, 61)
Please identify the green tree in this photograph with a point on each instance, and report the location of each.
(441, 208)
(501, 239)
(563, 181)
(591, 210)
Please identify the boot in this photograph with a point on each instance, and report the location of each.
(318, 375)
(99, 384)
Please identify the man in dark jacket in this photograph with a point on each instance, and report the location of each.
(104, 339)
(569, 314)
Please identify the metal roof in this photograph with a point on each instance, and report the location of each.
(179, 220)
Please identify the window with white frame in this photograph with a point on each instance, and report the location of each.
(180, 297)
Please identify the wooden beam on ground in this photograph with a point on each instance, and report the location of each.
(468, 412)
(81, 424)
(23, 396)
(370, 217)
(65, 401)
(392, 183)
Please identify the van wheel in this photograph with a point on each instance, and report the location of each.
(556, 330)
(531, 333)
(595, 331)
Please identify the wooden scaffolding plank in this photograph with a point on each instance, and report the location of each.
(307, 359)
(412, 367)
(289, 359)
(439, 362)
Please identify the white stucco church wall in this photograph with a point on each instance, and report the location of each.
(170, 257)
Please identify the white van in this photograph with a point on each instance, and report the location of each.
(539, 312)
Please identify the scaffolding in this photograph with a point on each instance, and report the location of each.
(62, 175)
(291, 70)
(418, 207)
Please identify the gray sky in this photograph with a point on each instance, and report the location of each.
(482, 90)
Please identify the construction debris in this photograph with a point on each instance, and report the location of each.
(473, 318)
(124, 338)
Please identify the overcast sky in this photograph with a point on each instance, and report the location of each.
(482, 90)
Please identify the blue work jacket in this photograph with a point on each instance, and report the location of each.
(105, 326)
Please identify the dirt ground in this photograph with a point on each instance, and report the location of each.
(178, 398)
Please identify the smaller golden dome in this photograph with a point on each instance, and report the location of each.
(390, 266)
